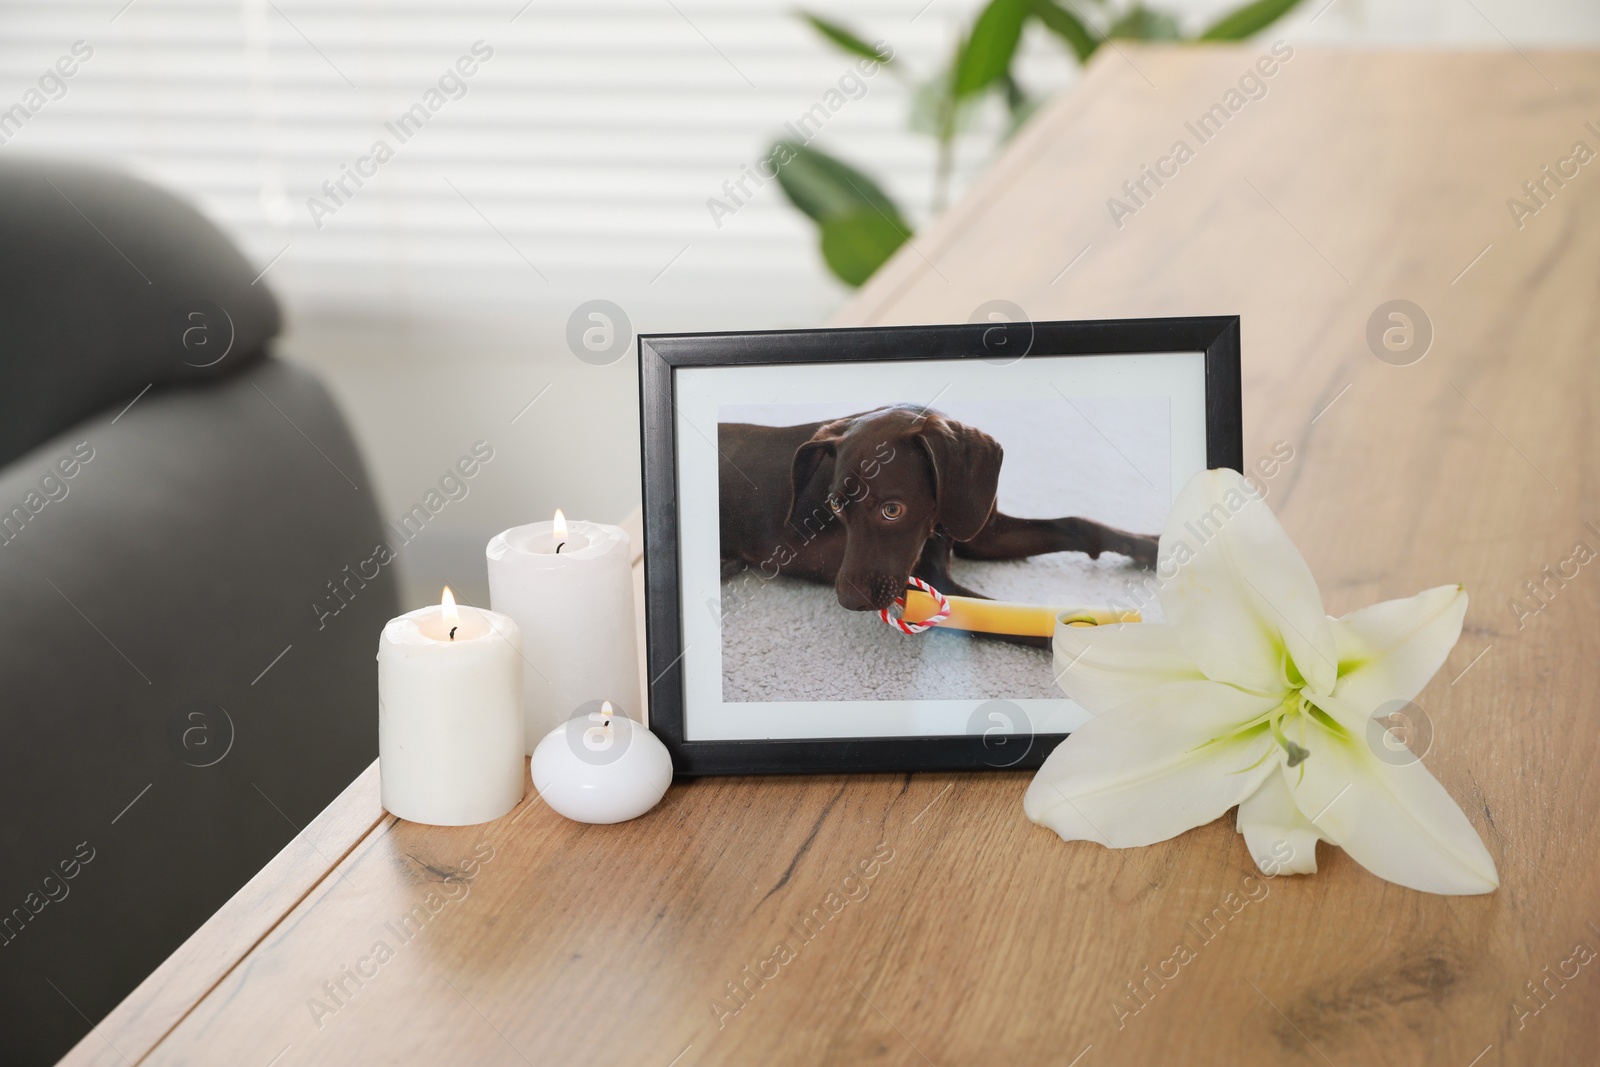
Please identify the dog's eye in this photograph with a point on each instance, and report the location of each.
(836, 504)
(893, 509)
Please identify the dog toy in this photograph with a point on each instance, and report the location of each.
(924, 607)
(926, 620)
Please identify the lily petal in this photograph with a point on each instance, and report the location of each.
(1153, 768)
(1396, 821)
(1280, 838)
(1242, 592)
(1388, 651)
(1101, 667)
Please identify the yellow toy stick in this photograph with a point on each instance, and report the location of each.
(999, 617)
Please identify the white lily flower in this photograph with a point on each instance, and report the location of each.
(1252, 695)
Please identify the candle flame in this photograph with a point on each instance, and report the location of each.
(605, 709)
(559, 532)
(447, 602)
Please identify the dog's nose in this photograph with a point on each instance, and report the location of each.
(867, 593)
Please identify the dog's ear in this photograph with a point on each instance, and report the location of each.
(966, 474)
(809, 456)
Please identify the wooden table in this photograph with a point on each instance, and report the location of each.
(982, 938)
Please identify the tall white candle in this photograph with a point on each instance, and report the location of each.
(570, 588)
(450, 723)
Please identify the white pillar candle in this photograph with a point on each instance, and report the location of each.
(450, 742)
(570, 588)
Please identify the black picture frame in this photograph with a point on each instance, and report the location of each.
(661, 355)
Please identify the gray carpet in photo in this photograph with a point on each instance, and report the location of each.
(1106, 459)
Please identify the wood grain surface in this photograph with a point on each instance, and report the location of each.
(922, 919)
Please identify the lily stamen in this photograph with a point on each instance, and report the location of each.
(1297, 754)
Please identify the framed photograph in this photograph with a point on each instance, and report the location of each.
(858, 542)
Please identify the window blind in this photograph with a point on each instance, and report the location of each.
(401, 158)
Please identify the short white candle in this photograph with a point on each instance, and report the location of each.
(450, 743)
(570, 588)
(601, 768)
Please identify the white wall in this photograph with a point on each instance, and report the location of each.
(577, 166)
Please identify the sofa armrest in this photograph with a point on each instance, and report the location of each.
(109, 284)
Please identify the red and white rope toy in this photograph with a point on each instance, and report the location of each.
(927, 624)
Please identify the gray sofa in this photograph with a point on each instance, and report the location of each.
(173, 501)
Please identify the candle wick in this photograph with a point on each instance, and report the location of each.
(453, 632)
(558, 548)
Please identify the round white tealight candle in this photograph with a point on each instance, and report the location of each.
(570, 588)
(601, 768)
(450, 742)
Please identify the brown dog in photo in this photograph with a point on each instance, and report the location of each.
(864, 502)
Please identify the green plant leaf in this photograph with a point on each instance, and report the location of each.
(1139, 23)
(989, 49)
(1250, 19)
(844, 38)
(860, 225)
(827, 188)
(856, 245)
(1067, 26)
